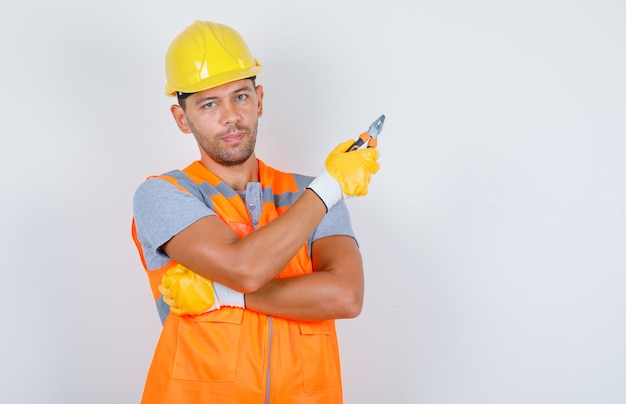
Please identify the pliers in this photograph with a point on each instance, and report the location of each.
(371, 135)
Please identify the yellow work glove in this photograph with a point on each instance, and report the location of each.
(186, 292)
(346, 173)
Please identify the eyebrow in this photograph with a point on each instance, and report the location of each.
(244, 88)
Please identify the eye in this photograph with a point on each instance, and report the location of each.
(209, 105)
(241, 97)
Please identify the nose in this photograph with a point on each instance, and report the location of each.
(230, 113)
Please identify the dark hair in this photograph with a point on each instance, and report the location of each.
(183, 96)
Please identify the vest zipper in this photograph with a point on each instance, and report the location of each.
(269, 362)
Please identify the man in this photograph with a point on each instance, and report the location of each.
(249, 266)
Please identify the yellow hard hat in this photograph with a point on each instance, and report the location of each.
(206, 55)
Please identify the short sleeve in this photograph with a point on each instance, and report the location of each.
(335, 223)
(161, 210)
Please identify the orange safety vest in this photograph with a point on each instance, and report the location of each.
(234, 355)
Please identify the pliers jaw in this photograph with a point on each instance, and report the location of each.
(377, 126)
(371, 135)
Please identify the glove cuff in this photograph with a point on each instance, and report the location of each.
(327, 189)
(228, 297)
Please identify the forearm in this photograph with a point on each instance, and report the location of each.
(334, 290)
(312, 297)
(243, 264)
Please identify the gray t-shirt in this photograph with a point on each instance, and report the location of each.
(161, 211)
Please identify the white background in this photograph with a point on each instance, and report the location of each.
(493, 236)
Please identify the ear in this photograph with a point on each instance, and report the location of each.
(179, 116)
(259, 94)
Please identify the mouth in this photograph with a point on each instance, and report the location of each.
(233, 134)
(233, 137)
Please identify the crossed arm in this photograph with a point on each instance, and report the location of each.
(334, 290)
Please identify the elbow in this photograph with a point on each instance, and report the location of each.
(239, 277)
(249, 286)
(353, 309)
(349, 305)
(248, 283)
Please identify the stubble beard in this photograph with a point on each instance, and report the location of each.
(226, 154)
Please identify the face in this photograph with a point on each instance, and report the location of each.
(223, 120)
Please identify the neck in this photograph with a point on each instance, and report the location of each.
(237, 177)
